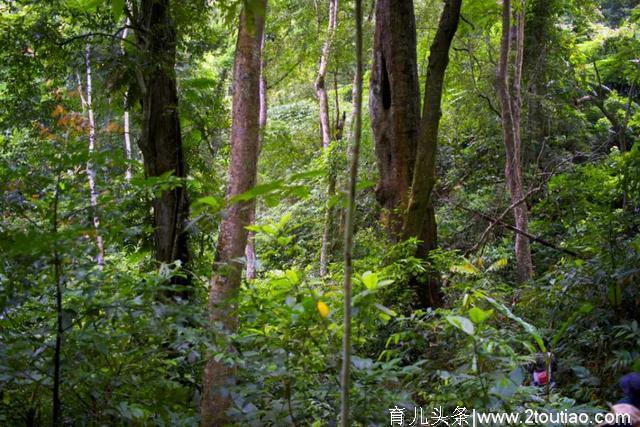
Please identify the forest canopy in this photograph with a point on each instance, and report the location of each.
(291, 212)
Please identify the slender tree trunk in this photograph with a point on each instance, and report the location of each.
(57, 274)
(161, 139)
(127, 134)
(320, 83)
(345, 373)
(394, 104)
(327, 230)
(225, 283)
(91, 173)
(510, 101)
(323, 100)
(127, 140)
(250, 252)
(420, 216)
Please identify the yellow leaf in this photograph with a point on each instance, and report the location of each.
(323, 309)
(465, 268)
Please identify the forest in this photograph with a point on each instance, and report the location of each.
(319, 212)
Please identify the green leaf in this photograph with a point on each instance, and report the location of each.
(256, 191)
(370, 280)
(214, 202)
(478, 315)
(284, 220)
(293, 277)
(584, 309)
(463, 324)
(386, 310)
(532, 330)
(614, 294)
(117, 6)
(84, 5)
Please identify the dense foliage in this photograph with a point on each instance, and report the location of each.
(129, 355)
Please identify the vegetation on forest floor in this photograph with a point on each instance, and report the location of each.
(176, 200)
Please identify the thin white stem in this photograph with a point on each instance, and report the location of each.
(91, 173)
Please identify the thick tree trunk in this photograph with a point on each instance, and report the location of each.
(510, 101)
(225, 283)
(537, 73)
(250, 251)
(424, 177)
(420, 217)
(394, 105)
(161, 139)
(87, 101)
(323, 100)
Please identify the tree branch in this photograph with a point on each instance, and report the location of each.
(115, 36)
(531, 237)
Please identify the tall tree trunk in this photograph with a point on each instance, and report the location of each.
(87, 102)
(510, 101)
(323, 100)
(394, 104)
(161, 139)
(536, 74)
(127, 140)
(345, 372)
(250, 251)
(127, 134)
(420, 217)
(320, 82)
(58, 277)
(225, 283)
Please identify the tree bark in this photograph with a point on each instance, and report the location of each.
(161, 139)
(87, 101)
(320, 82)
(127, 134)
(419, 220)
(323, 100)
(225, 283)
(58, 277)
(424, 177)
(394, 105)
(250, 251)
(345, 372)
(510, 102)
(537, 72)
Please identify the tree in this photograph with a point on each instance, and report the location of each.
(394, 104)
(87, 103)
(245, 137)
(511, 102)
(323, 101)
(420, 218)
(250, 251)
(125, 116)
(406, 142)
(161, 138)
(345, 376)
